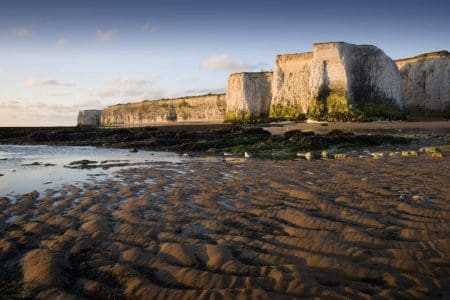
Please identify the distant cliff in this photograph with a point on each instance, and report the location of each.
(209, 107)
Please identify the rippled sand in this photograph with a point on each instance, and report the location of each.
(354, 228)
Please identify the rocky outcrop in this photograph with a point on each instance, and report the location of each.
(291, 91)
(204, 108)
(335, 78)
(248, 95)
(89, 117)
(426, 82)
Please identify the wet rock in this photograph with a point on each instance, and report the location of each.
(36, 163)
(307, 155)
(82, 164)
(340, 156)
(409, 153)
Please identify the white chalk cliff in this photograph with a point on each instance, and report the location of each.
(426, 82)
(336, 81)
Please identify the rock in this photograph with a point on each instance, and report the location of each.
(41, 268)
(377, 155)
(247, 154)
(307, 155)
(133, 150)
(90, 117)
(248, 96)
(426, 82)
(436, 155)
(228, 154)
(340, 156)
(324, 154)
(36, 163)
(409, 153)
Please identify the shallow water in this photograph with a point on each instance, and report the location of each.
(18, 178)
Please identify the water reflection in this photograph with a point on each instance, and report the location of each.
(20, 177)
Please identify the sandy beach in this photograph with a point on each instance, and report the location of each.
(353, 228)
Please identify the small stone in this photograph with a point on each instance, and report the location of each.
(309, 155)
(324, 154)
(418, 198)
(228, 154)
(340, 156)
(133, 150)
(436, 155)
(247, 154)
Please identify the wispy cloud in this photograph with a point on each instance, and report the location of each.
(129, 94)
(203, 91)
(62, 42)
(131, 83)
(225, 62)
(106, 36)
(41, 113)
(50, 82)
(147, 27)
(21, 32)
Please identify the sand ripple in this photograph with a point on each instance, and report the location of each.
(354, 228)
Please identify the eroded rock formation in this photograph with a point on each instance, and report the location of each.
(248, 95)
(89, 117)
(339, 77)
(205, 108)
(426, 82)
(291, 91)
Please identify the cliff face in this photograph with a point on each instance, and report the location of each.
(291, 91)
(426, 82)
(89, 117)
(372, 77)
(209, 107)
(335, 76)
(248, 95)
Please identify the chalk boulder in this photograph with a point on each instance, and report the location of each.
(89, 117)
(335, 79)
(248, 95)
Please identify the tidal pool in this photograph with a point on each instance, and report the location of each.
(27, 168)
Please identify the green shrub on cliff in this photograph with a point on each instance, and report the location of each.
(286, 112)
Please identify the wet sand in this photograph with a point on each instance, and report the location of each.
(354, 228)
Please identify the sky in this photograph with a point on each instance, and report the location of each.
(59, 57)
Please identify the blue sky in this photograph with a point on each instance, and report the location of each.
(58, 57)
